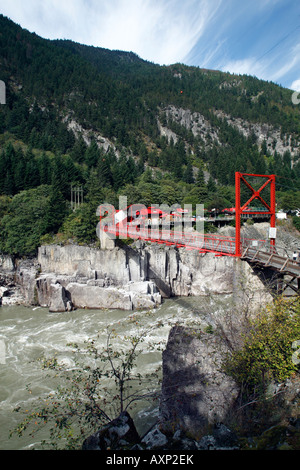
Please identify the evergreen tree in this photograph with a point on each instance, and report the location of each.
(211, 185)
(79, 150)
(92, 154)
(56, 211)
(104, 173)
(45, 169)
(32, 174)
(188, 176)
(19, 175)
(59, 177)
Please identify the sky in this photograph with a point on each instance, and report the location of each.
(253, 37)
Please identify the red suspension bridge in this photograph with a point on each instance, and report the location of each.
(257, 252)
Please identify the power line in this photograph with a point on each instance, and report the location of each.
(277, 44)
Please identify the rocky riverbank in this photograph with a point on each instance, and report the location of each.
(197, 400)
(127, 278)
(199, 406)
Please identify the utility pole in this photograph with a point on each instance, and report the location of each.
(76, 197)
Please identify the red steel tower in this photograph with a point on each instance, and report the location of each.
(245, 209)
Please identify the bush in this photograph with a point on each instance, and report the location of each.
(24, 222)
(81, 225)
(267, 351)
(296, 222)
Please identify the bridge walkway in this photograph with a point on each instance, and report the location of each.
(256, 252)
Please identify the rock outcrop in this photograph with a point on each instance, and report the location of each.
(120, 432)
(10, 290)
(175, 272)
(131, 277)
(198, 406)
(196, 393)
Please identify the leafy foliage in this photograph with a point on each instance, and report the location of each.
(103, 383)
(25, 222)
(267, 352)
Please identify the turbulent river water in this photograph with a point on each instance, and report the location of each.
(27, 334)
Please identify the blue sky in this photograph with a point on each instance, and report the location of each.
(256, 37)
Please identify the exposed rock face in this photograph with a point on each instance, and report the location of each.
(120, 432)
(199, 126)
(135, 277)
(195, 391)
(11, 287)
(174, 272)
(59, 299)
(93, 297)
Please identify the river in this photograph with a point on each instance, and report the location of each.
(27, 334)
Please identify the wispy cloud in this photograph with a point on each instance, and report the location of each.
(248, 66)
(296, 85)
(255, 37)
(163, 31)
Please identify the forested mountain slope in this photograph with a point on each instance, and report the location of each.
(116, 124)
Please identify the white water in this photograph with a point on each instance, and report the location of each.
(27, 334)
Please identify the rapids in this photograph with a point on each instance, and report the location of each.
(27, 334)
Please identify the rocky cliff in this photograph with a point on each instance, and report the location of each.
(132, 277)
(196, 123)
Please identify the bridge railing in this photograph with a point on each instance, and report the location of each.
(189, 239)
(255, 244)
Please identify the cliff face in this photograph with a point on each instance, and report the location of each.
(140, 275)
(195, 122)
(126, 278)
(174, 272)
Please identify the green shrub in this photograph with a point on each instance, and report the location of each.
(296, 222)
(267, 351)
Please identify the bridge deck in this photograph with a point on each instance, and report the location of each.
(283, 266)
(259, 254)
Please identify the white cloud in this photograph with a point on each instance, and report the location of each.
(249, 66)
(208, 33)
(295, 85)
(163, 31)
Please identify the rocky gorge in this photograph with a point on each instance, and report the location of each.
(136, 276)
(197, 400)
(131, 277)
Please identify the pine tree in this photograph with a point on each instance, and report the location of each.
(59, 177)
(32, 175)
(20, 171)
(45, 169)
(79, 150)
(188, 176)
(92, 154)
(56, 210)
(104, 173)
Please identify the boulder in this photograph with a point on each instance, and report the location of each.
(59, 299)
(25, 277)
(154, 439)
(119, 433)
(95, 297)
(195, 391)
(144, 294)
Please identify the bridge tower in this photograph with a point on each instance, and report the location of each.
(246, 209)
